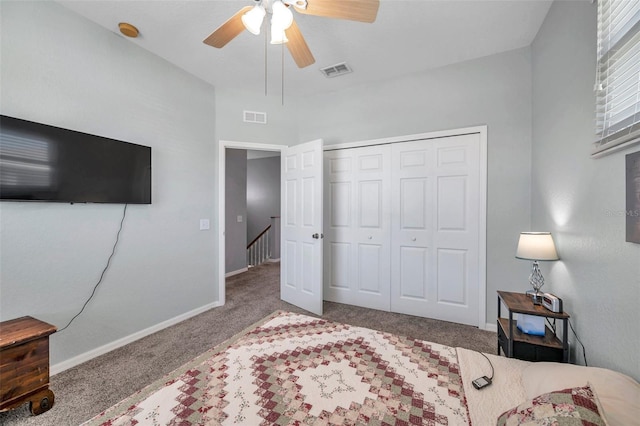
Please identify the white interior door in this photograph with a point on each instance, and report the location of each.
(301, 222)
(357, 211)
(436, 228)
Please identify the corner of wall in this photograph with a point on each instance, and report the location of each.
(597, 274)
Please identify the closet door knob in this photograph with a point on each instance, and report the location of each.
(413, 239)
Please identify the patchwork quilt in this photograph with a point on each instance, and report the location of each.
(298, 370)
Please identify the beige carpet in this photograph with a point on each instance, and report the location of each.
(84, 391)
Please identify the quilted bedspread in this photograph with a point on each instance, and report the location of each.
(298, 370)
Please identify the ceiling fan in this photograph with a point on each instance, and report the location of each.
(284, 29)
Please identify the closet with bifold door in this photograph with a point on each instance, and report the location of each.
(404, 227)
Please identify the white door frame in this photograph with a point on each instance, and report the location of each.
(222, 146)
(482, 243)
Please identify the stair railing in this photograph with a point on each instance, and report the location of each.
(258, 250)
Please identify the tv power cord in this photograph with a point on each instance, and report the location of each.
(113, 250)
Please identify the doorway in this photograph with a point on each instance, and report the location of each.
(222, 255)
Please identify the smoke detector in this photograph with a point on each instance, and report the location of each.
(128, 29)
(336, 70)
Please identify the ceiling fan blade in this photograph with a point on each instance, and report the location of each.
(298, 47)
(227, 31)
(353, 10)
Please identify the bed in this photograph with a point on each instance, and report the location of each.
(295, 369)
(517, 383)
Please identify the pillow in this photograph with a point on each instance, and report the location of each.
(573, 406)
(619, 394)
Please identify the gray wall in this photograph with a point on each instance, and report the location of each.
(61, 69)
(263, 194)
(598, 276)
(281, 127)
(235, 205)
(90, 79)
(495, 91)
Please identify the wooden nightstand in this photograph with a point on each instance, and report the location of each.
(516, 344)
(24, 364)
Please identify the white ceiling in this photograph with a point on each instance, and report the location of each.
(408, 36)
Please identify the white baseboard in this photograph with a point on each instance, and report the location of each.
(79, 359)
(236, 272)
(274, 260)
(491, 326)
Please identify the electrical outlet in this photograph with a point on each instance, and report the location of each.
(239, 219)
(204, 224)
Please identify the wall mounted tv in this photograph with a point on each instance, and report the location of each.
(45, 163)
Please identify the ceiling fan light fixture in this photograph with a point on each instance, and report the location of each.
(277, 35)
(284, 28)
(282, 16)
(252, 20)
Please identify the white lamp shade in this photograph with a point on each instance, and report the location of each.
(536, 246)
(282, 16)
(277, 35)
(252, 20)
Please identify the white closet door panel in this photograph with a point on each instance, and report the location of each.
(453, 282)
(452, 203)
(444, 226)
(449, 156)
(373, 162)
(412, 227)
(338, 232)
(369, 281)
(404, 223)
(413, 280)
(370, 204)
(339, 265)
(414, 212)
(339, 204)
(457, 233)
(357, 238)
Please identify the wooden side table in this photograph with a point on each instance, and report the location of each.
(516, 344)
(24, 364)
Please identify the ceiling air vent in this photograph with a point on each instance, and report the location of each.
(336, 70)
(255, 117)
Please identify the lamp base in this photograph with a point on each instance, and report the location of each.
(537, 281)
(535, 296)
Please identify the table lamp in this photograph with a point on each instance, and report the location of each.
(536, 246)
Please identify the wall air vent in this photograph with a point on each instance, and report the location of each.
(255, 117)
(336, 70)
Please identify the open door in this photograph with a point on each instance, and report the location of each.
(301, 221)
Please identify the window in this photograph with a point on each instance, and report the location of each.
(617, 75)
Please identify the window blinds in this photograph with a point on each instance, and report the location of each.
(617, 75)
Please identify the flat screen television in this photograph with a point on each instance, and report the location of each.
(45, 163)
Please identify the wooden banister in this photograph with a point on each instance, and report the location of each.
(258, 237)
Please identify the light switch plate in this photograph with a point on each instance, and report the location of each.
(204, 224)
(239, 219)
